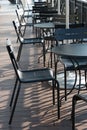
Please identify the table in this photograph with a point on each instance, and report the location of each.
(72, 51)
(44, 25)
(54, 25)
(46, 30)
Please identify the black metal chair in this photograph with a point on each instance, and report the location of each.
(22, 22)
(76, 98)
(25, 11)
(24, 41)
(30, 76)
(72, 35)
(12, 1)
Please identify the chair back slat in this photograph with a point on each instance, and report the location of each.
(71, 34)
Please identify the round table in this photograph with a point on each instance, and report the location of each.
(72, 51)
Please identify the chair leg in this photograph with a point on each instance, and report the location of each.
(43, 55)
(24, 31)
(14, 105)
(56, 70)
(53, 86)
(73, 112)
(74, 100)
(19, 52)
(58, 98)
(56, 84)
(65, 83)
(13, 93)
(85, 75)
(44, 58)
(51, 58)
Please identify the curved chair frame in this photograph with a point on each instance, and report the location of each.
(77, 35)
(76, 98)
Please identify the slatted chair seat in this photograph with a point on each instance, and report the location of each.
(35, 75)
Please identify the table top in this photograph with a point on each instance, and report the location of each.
(83, 1)
(44, 25)
(55, 25)
(50, 25)
(71, 50)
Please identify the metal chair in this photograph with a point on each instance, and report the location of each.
(22, 22)
(29, 76)
(73, 35)
(26, 11)
(76, 98)
(12, 1)
(24, 41)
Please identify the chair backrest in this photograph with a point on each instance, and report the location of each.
(63, 25)
(17, 30)
(18, 16)
(12, 56)
(20, 5)
(79, 33)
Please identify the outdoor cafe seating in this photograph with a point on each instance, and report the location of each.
(70, 36)
(57, 36)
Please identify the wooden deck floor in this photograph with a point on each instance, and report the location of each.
(34, 108)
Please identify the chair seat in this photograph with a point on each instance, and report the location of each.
(31, 40)
(35, 75)
(29, 76)
(82, 63)
(27, 15)
(69, 65)
(82, 97)
(26, 24)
